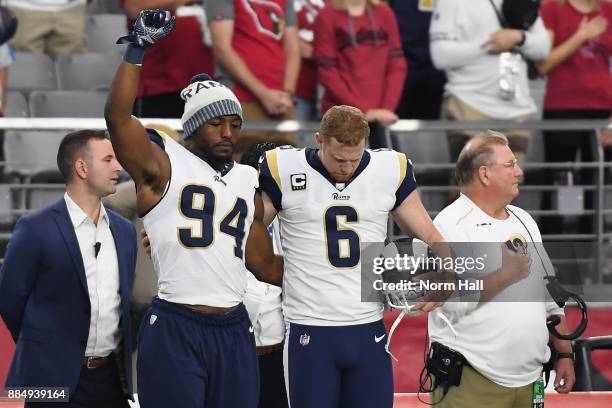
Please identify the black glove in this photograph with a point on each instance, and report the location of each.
(150, 26)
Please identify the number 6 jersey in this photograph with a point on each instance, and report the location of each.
(322, 224)
(199, 229)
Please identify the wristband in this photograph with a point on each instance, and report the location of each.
(134, 54)
(565, 355)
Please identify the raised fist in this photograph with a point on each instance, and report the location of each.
(150, 26)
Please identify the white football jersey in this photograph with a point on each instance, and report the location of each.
(322, 225)
(199, 229)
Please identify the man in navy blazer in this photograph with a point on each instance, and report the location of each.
(66, 282)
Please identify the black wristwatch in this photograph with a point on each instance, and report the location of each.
(565, 355)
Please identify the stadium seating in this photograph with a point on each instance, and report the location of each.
(91, 71)
(104, 7)
(57, 104)
(103, 31)
(32, 71)
(16, 105)
(28, 151)
(51, 190)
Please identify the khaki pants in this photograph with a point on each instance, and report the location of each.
(455, 109)
(51, 32)
(253, 112)
(477, 391)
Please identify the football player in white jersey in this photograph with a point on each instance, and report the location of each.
(204, 220)
(329, 200)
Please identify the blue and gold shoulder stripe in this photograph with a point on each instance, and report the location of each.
(157, 137)
(407, 182)
(269, 178)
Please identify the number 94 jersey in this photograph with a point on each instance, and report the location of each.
(323, 223)
(199, 229)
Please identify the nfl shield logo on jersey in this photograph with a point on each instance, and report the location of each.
(304, 339)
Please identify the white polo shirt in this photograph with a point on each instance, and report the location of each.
(506, 338)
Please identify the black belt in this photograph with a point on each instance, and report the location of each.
(263, 350)
(96, 362)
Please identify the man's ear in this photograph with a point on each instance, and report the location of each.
(483, 176)
(80, 168)
(318, 139)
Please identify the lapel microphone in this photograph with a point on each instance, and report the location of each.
(97, 247)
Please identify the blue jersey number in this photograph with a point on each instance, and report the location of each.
(203, 210)
(334, 235)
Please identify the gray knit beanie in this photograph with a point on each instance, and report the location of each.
(206, 99)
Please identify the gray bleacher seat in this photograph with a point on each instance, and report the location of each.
(45, 195)
(38, 198)
(67, 104)
(32, 71)
(16, 105)
(104, 7)
(427, 147)
(103, 31)
(6, 205)
(537, 88)
(91, 71)
(31, 151)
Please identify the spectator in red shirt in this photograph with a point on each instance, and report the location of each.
(579, 85)
(173, 61)
(256, 44)
(306, 90)
(360, 59)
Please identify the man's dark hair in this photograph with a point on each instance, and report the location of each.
(73, 146)
(252, 155)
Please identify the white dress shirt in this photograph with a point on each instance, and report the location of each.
(102, 273)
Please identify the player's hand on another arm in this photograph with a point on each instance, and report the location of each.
(383, 116)
(565, 376)
(503, 40)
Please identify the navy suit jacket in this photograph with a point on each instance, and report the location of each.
(44, 300)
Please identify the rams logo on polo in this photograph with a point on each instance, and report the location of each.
(517, 243)
(298, 181)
